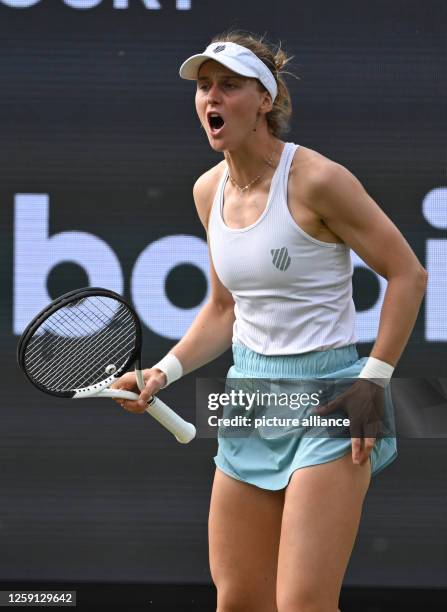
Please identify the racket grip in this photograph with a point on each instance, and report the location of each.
(183, 431)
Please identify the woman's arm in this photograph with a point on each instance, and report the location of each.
(208, 337)
(346, 208)
(211, 332)
(400, 308)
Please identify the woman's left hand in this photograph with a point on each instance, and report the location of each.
(364, 403)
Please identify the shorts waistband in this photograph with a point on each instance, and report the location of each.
(311, 364)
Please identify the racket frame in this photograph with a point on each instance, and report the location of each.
(61, 302)
(183, 431)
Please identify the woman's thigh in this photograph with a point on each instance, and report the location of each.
(322, 510)
(244, 532)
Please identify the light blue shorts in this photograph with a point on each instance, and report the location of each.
(269, 462)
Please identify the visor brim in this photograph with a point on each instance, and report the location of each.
(190, 68)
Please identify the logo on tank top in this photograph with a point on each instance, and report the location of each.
(281, 259)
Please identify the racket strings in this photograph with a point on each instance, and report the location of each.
(78, 363)
(88, 370)
(56, 343)
(73, 347)
(56, 324)
(85, 371)
(55, 334)
(90, 319)
(59, 337)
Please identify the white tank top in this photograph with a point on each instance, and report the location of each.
(292, 293)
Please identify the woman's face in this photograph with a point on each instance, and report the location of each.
(227, 105)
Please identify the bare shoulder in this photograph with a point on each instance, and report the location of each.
(311, 173)
(204, 191)
(331, 192)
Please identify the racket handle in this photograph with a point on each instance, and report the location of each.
(183, 431)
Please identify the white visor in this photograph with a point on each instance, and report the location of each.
(235, 57)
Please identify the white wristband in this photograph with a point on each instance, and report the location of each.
(171, 366)
(377, 369)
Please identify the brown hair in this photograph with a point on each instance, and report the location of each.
(275, 60)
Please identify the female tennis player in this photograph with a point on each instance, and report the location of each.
(281, 219)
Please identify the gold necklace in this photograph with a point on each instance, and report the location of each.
(248, 185)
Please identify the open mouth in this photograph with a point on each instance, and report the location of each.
(215, 122)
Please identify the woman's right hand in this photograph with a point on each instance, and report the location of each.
(154, 380)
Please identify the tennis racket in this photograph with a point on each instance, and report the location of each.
(83, 342)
